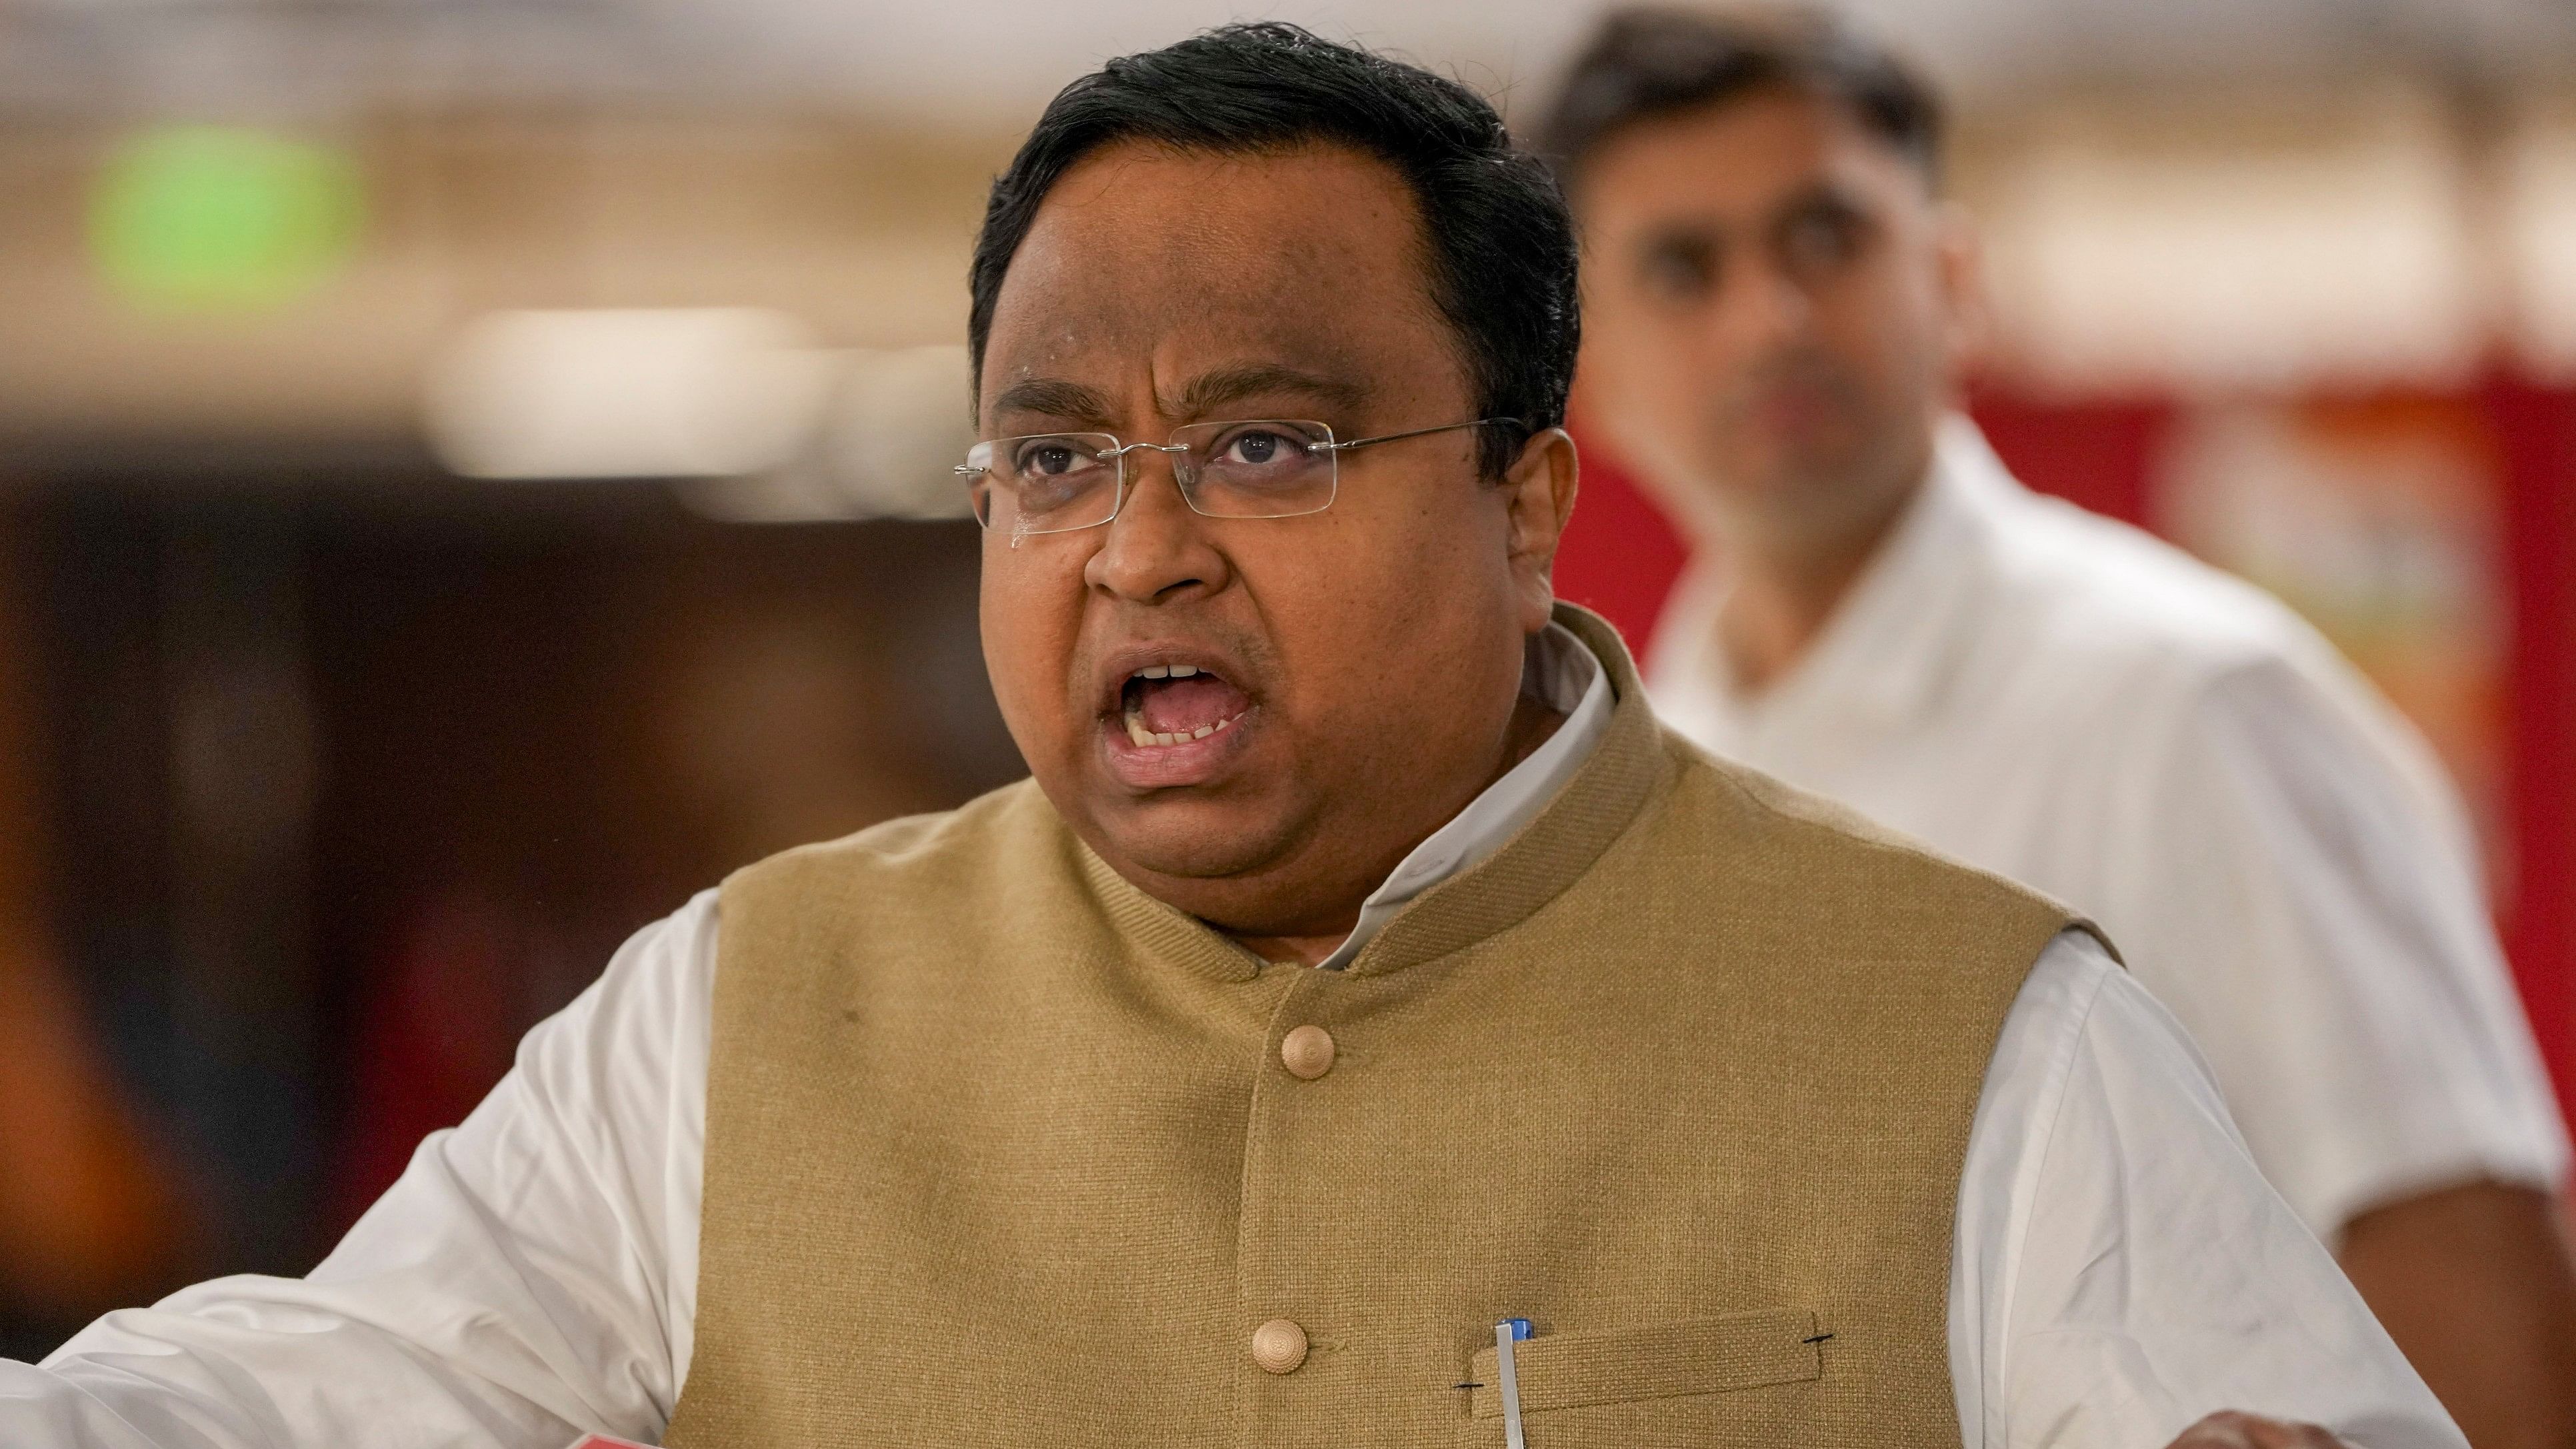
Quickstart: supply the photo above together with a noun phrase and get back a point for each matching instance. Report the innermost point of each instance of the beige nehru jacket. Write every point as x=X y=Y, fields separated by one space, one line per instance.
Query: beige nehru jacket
x=1002 y=1151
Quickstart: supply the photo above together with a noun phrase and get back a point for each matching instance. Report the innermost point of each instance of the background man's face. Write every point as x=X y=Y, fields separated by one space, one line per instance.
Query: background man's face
x=1773 y=306
x=1368 y=656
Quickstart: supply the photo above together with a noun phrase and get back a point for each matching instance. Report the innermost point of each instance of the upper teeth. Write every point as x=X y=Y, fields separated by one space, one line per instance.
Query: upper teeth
x=1135 y=720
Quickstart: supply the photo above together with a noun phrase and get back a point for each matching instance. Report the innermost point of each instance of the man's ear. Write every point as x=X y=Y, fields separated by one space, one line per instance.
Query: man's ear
x=1539 y=490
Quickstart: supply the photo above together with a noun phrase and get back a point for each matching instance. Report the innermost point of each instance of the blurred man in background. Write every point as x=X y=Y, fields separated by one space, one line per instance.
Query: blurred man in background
x=1779 y=302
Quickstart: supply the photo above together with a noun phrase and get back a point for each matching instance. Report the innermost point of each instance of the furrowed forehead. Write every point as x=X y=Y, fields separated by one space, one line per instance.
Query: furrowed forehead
x=1267 y=388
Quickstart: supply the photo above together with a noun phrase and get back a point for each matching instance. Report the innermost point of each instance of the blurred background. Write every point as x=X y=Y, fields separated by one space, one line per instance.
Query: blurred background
x=474 y=471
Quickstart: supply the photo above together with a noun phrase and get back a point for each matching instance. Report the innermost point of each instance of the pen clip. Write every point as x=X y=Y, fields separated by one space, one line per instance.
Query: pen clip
x=1508 y=1379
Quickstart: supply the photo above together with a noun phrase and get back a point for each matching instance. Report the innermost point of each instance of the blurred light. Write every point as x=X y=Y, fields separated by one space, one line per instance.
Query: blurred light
x=2540 y=177
x=658 y=393
x=222 y=219
x=901 y=424
x=2129 y=262
x=896 y=426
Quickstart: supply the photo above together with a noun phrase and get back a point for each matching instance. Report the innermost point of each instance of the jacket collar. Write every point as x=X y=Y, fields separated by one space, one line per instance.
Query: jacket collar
x=1555 y=848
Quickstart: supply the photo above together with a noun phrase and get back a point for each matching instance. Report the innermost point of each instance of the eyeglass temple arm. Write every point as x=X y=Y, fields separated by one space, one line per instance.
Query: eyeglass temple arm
x=1346 y=446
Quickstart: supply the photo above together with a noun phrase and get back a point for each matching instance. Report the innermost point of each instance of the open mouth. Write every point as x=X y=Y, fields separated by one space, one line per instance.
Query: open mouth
x=1163 y=705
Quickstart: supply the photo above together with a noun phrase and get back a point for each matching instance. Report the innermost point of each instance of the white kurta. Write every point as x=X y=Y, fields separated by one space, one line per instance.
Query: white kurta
x=2119 y=1267
x=2070 y=702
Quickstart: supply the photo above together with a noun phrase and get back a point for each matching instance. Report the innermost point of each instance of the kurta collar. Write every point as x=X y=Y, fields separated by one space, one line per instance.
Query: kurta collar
x=1565 y=674
x=1553 y=846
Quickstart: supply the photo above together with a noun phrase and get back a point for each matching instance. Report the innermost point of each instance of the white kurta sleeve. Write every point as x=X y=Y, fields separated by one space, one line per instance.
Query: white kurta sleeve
x=2291 y=873
x=2121 y=1269
x=532 y=1274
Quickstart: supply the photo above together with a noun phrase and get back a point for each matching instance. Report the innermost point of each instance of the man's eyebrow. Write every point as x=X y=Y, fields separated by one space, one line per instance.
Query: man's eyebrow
x=1053 y=398
x=1210 y=391
x=1825 y=194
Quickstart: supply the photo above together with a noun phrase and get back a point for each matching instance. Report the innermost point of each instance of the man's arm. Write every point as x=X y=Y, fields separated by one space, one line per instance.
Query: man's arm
x=2307 y=901
x=532 y=1276
x=2122 y=1271
x=2473 y=1282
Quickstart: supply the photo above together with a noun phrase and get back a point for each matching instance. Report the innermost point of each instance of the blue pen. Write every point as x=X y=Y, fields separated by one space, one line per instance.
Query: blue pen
x=1507 y=1333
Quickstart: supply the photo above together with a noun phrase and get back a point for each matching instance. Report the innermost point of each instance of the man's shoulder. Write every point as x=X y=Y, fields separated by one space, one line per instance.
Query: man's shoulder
x=2078 y=592
x=1740 y=878
x=2136 y=645
x=1709 y=785
x=1828 y=849
x=932 y=851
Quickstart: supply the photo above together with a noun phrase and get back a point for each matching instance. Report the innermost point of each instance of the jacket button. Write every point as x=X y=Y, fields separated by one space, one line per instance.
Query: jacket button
x=1307 y=1052
x=1279 y=1346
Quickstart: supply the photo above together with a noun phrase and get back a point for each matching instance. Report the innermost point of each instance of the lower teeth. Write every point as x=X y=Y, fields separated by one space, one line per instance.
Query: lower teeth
x=1144 y=738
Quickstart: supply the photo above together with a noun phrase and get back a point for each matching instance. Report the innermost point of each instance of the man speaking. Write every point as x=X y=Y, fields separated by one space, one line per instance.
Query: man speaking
x=1366 y=1028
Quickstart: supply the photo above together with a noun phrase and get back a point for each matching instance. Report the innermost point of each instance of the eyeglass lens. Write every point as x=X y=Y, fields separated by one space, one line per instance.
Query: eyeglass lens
x=1055 y=482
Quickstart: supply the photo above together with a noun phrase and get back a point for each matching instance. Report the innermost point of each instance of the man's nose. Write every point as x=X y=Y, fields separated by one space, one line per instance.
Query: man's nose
x=1765 y=306
x=1157 y=548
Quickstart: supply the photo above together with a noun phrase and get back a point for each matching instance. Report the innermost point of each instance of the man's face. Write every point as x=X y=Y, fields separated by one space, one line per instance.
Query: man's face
x=1359 y=666
x=1774 y=307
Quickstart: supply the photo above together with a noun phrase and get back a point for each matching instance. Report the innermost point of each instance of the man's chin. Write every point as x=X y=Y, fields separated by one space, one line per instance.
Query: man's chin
x=1189 y=843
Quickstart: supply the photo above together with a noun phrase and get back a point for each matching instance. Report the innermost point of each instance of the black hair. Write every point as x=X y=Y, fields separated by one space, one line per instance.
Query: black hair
x=1653 y=61
x=1500 y=244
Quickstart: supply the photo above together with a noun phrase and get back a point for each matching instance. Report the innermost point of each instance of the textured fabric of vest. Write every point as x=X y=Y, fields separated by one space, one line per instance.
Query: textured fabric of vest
x=1000 y=1150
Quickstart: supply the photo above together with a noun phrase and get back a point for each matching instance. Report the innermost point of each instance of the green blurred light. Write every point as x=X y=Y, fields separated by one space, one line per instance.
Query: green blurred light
x=222 y=219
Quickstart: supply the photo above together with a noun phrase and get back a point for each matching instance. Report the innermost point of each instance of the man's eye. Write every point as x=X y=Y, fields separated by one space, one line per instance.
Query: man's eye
x=1258 y=446
x=1052 y=459
x=1821 y=242
x=1679 y=269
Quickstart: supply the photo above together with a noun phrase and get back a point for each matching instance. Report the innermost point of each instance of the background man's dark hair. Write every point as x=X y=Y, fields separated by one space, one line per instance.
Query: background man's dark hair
x=1501 y=252
x=1653 y=61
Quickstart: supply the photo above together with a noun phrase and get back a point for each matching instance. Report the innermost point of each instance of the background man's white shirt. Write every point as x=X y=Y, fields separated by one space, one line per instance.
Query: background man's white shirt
x=2119 y=1267
x=2067 y=701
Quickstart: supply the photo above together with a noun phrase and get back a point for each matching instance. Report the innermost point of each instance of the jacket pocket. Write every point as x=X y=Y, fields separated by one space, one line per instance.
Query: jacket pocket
x=1568 y=1381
